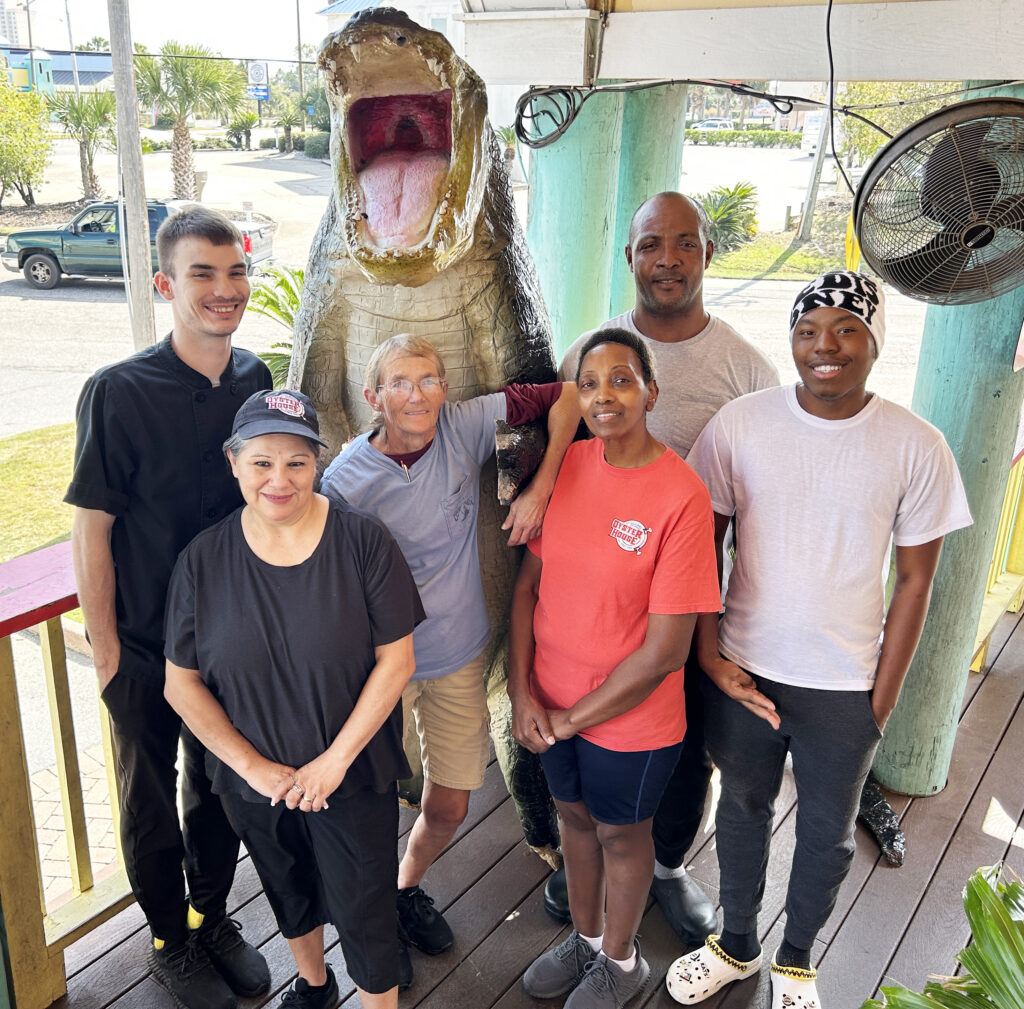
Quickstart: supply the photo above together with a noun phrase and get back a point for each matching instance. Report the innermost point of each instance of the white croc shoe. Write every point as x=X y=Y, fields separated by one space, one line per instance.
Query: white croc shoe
x=698 y=975
x=794 y=988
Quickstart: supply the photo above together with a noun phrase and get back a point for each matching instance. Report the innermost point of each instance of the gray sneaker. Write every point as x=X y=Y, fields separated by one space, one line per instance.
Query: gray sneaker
x=560 y=969
x=606 y=986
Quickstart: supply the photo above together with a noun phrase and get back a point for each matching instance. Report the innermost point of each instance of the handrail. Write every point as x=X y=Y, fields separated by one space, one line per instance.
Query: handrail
x=35 y=590
x=1004 y=587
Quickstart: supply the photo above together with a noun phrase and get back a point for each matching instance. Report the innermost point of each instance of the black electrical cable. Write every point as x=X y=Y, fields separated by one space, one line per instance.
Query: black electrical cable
x=563 y=104
x=832 y=100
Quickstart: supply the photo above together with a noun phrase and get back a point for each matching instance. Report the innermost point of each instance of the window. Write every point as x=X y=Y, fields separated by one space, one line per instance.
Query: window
x=100 y=220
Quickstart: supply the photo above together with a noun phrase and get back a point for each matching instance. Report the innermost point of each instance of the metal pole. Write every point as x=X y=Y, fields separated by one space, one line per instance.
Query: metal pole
x=135 y=250
x=302 y=90
x=31 y=48
x=812 y=183
x=71 y=46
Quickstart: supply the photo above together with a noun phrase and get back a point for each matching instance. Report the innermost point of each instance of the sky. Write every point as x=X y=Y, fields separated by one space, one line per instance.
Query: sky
x=254 y=29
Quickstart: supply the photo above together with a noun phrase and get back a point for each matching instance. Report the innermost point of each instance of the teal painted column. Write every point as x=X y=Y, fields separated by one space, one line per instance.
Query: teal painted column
x=653 y=123
x=965 y=386
x=570 y=230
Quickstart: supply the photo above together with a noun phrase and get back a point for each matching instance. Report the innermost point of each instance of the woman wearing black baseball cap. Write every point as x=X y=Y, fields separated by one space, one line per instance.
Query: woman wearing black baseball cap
x=289 y=642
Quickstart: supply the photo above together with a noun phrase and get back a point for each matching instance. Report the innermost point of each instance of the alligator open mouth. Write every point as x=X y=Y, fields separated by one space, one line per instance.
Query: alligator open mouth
x=400 y=147
x=410 y=145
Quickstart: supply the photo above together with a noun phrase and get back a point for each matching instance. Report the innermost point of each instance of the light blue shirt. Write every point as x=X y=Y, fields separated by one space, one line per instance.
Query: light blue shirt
x=431 y=510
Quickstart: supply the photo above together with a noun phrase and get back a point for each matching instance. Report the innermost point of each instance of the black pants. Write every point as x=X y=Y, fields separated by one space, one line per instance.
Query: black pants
x=146 y=730
x=832 y=736
x=681 y=808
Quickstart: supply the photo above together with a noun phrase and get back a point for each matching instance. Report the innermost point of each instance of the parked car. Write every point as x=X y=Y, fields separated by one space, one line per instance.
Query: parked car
x=90 y=245
x=714 y=124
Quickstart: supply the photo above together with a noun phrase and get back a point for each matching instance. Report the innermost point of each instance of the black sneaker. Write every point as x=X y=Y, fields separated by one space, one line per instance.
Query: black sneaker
x=237 y=961
x=189 y=977
x=425 y=928
x=302 y=996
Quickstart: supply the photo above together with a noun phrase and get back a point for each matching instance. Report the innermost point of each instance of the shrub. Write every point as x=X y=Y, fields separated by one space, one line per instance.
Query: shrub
x=744 y=138
x=267 y=144
x=213 y=144
x=298 y=140
x=317 y=145
x=732 y=214
x=276 y=295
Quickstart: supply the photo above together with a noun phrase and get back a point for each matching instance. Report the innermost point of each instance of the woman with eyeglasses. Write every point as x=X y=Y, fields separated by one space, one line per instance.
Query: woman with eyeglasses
x=418 y=470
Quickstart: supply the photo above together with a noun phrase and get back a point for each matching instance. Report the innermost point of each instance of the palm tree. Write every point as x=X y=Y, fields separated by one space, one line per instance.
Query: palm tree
x=241 y=127
x=88 y=118
x=288 y=115
x=188 y=80
x=97 y=44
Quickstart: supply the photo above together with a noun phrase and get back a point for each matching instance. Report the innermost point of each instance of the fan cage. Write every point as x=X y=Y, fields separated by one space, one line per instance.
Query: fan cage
x=940 y=213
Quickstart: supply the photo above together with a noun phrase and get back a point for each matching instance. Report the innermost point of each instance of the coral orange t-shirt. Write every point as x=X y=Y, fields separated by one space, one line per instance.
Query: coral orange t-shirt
x=619 y=544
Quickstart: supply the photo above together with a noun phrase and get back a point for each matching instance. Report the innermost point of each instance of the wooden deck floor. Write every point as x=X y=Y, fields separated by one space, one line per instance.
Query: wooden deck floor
x=897 y=924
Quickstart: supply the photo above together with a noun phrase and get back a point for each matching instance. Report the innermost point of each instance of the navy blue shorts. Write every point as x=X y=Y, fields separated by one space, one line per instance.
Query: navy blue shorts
x=616 y=786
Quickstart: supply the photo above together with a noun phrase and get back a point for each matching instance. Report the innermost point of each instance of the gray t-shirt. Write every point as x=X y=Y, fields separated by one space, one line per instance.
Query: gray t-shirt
x=431 y=510
x=696 y=377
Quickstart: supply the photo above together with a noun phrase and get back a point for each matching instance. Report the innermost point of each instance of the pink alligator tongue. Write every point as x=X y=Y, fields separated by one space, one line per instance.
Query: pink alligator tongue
x=401 y=191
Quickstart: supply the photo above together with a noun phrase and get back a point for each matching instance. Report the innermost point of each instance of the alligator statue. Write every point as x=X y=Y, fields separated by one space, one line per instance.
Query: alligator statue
x=420 y=236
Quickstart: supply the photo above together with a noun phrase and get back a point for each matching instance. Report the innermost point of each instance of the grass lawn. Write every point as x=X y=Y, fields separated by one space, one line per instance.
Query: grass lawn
x=774 y=256
x=37 y=470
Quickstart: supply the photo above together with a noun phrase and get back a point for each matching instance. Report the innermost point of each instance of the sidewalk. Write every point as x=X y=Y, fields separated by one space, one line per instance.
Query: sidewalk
x=52 y=839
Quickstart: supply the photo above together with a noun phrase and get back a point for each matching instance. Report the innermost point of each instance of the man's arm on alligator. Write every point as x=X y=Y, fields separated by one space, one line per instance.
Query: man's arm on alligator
x=526 y=513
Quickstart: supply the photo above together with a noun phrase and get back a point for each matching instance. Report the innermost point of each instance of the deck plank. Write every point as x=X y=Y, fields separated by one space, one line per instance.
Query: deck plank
x=940 y=929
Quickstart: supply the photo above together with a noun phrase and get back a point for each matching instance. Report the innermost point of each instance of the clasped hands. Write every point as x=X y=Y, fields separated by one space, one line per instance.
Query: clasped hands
x=305 y=788
x=537 y=728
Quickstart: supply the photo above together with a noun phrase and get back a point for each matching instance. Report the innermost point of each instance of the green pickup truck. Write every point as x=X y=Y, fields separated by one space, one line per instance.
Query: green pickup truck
x=90 y=246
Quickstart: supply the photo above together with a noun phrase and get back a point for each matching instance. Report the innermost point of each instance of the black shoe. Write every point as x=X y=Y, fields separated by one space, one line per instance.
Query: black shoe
x=238 y=962
x=405 y=976
x=189 y=977
x=424 y=927
x=686 y=907
x=302 y=996
x=556 y=896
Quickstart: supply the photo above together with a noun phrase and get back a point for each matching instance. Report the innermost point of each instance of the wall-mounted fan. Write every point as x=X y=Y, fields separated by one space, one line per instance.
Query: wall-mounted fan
x=940 y=212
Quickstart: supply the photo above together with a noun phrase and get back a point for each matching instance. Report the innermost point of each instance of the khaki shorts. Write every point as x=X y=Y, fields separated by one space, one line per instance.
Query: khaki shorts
x=451 y=721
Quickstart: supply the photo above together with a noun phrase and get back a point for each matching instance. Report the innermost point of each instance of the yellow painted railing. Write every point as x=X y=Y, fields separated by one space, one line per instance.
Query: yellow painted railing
x=34 y=591
x=1004 y=590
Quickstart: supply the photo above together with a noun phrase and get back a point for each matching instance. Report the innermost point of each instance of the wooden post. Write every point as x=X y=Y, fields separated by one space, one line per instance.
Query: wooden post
x=966 y=387
x=651 y=162
x=570 y=231
x=135 y=246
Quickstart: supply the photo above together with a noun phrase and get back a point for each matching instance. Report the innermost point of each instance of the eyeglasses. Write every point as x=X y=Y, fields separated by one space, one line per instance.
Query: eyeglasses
x=404 y=386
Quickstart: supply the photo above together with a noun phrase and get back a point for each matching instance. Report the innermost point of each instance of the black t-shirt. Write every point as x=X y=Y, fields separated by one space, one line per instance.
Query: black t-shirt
x=287 y=650
x=149 y=451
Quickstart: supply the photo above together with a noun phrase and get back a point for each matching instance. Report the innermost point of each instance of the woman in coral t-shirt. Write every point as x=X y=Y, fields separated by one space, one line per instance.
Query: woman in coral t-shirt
x=601 y=621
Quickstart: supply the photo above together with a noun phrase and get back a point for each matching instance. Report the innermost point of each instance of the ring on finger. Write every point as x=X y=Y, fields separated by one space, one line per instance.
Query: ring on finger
x=298 y=788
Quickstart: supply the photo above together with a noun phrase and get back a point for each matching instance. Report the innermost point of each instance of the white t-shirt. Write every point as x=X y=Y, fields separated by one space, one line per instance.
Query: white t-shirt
x=695 y=377
x=816 y=504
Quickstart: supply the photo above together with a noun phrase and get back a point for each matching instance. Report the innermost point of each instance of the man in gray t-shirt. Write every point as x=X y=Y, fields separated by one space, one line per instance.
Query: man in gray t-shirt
x=702 y=363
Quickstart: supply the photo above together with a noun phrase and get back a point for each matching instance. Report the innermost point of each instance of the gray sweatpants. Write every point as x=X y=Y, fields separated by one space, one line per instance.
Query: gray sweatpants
x=832 y=735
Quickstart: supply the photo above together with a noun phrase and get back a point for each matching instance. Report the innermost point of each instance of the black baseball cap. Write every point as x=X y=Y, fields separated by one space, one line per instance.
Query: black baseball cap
x=281 y=411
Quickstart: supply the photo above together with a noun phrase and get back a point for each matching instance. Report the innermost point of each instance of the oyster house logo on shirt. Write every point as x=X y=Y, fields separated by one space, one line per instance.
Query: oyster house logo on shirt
x=629 y=534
